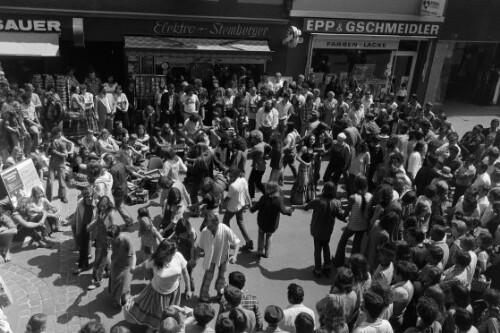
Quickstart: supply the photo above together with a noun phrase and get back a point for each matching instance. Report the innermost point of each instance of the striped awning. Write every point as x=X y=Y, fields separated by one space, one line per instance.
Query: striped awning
x=199 y=49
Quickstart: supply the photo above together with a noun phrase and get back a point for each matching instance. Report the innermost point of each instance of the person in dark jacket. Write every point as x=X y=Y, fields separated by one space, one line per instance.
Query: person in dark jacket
x=270 y=206
x=120 y=187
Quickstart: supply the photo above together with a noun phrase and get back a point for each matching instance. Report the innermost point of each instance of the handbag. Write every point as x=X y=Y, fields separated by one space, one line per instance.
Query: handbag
x=5 y=294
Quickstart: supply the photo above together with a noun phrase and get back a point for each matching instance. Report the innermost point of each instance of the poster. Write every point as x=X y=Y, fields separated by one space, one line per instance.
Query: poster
x=432 y=8
x=362 y=72
x=19 y=179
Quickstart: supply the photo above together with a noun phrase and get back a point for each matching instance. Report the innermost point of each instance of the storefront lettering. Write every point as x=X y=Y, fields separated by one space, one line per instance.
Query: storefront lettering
x=30 y=25
x=344 y=26
x=323 y=43
x=217 y=29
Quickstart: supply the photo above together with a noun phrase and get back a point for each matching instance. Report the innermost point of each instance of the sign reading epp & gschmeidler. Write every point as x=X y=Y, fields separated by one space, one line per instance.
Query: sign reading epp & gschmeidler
x=372 y=27
x=30 y=25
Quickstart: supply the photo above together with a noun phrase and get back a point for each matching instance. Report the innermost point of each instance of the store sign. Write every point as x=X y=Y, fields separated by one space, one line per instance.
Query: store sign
x=19 y=179
x=354 y=44
x=432 y=8
x=210 y=29
x=371 y=27
x=30 y=25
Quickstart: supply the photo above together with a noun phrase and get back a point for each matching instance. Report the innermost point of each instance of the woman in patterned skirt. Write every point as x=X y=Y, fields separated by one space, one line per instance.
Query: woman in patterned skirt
x=90 y=112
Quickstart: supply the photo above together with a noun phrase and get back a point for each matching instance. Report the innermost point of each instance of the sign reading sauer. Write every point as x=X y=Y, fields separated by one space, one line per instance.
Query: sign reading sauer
x=372 y=27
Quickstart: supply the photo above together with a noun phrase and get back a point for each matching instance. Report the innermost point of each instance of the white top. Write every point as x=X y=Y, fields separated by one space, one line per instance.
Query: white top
x=471 y=269
x=380 y=326
x=267 y=119
x=481 y=181
x=289 y=315
x=414 y=163
x=122 y=102
x=384 y=274
x=189 y=104
x=283 y=109
x=172 y=169
x=103 y=185
x=166 y=279
x=216 y=247
x=238 y=195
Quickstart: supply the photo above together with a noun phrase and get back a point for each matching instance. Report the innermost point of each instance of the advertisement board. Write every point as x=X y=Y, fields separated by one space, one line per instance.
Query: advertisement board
x=19 y=179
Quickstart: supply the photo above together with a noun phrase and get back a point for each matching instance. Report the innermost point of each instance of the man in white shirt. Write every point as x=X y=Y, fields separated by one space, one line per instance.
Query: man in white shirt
x=295 y=297
x=215 y=241
x=373 y=306
x=238 y=199
x=284 y=109
x=267 y=120
x=278 y=82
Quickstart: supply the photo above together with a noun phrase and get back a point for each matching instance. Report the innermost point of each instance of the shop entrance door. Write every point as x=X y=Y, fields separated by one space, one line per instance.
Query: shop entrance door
x=403 y=67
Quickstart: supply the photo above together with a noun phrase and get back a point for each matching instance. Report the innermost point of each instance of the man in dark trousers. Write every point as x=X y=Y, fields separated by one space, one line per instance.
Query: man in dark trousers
x=119 y=189
x=84 y=214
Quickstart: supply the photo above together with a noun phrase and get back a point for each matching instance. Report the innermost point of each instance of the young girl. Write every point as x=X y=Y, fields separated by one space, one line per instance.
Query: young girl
x=172 y=212
x=325 y=209
x=38 y=204
x=276 y=162
x=148 y=239
x=269 y=206
x=358 y=210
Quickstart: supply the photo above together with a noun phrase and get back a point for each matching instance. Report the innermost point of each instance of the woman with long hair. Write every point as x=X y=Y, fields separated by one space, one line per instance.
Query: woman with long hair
x=104 y=219
x=362 y=276
x=142 y=135
x=167 y=265
x=212 y=195
x=357 y=210
x=332 y=317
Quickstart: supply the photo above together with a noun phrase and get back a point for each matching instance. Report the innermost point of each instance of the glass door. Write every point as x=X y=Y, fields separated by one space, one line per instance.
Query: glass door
x=403 y=68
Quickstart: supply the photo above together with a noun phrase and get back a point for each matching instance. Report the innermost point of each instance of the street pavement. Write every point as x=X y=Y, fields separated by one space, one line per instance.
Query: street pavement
x=41 y=280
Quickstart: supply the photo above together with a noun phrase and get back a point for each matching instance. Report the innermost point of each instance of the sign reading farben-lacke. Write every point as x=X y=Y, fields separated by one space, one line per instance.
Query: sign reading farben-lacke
x=210 y=29
x=372 y=27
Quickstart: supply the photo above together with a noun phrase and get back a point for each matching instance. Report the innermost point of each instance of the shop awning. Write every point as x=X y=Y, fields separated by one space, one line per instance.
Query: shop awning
x=29 y=44
x=181 y=50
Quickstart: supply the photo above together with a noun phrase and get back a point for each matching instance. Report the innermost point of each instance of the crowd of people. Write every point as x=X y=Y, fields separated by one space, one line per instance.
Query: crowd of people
x=421 y=205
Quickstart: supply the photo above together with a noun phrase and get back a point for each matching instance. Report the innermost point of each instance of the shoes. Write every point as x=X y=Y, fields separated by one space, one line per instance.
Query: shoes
x=65 y=200
x=94 y=286
x=261 y=255
x=79 y=271
x=248 y=246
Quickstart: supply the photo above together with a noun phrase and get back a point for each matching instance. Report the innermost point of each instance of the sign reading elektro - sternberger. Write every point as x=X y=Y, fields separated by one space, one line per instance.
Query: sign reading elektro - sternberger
x=211 y=29
x=372 y=27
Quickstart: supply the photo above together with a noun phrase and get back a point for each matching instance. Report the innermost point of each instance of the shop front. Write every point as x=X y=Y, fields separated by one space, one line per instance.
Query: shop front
x=381 y=55
x=386 y=45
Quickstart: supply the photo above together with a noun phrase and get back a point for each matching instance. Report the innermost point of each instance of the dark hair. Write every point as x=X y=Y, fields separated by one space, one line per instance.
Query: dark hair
x=403 y=252
x=430 y=191
x=416 y=234
x=383 y=290
x=237 y=279
x=462 y=258
x=233 y=295
x=427 y=310
x=438 y=232
x=389 y=221
x=92 y=326
x=304 y=323
x=344 y=280
x=492 y=297
x=406 y=270
x=436 y=252
x=373 y=304
x=113 y=231
x=329 y=191
x=37 y=323
x=463 y=319
x=461 y=295
x=164 y=253
x=203 y=313
x=171 y=312
x=434 y=273
x=174 y=196
x=142 y=212
x=385 y=195
x=295 y=293
x=119 y=329
x=239 y=319
x=359 y=267
x=224 y=325
x=361 y=185
x=56 y=130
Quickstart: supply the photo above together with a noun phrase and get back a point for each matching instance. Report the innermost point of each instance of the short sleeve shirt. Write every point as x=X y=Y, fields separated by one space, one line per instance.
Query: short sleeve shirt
x=166 y=279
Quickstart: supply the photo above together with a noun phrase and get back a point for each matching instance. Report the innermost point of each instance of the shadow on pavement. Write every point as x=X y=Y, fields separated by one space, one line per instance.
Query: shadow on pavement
x=290 y=274
x=248 y=259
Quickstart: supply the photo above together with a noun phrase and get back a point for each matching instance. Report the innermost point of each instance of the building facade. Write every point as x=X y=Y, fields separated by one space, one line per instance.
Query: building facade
x=387 y=44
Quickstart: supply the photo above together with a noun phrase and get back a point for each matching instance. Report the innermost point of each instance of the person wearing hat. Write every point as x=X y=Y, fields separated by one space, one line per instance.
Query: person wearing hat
x=273 y=315
x=444 y=175
x=340 y=160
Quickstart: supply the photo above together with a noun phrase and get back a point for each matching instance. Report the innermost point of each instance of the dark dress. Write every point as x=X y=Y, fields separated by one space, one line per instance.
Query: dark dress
x=270 y=208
